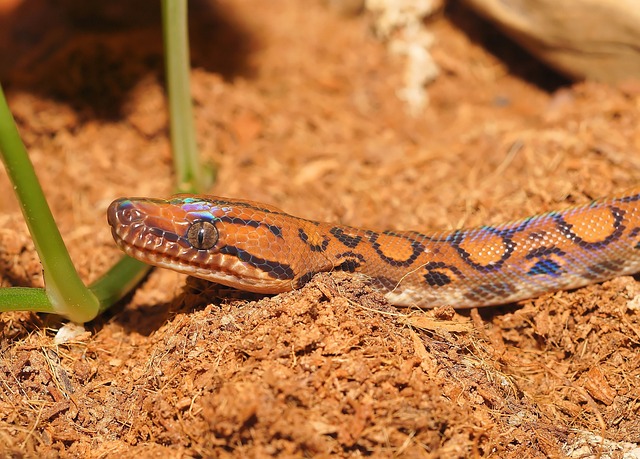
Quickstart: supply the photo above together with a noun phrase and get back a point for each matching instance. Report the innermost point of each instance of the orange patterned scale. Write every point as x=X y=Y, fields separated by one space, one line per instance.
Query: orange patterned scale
x=259 y=248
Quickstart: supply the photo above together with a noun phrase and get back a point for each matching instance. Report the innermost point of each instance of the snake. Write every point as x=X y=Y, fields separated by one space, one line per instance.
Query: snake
x=259 y=248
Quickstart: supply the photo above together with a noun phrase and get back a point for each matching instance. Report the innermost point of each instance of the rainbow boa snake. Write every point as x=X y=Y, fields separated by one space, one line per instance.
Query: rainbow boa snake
x=259 y=248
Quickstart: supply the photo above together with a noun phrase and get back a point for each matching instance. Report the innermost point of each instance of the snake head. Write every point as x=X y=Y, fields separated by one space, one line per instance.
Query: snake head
x=235 y=243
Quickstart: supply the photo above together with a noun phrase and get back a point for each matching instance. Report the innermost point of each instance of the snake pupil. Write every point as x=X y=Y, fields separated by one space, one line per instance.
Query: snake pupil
x=202 y=235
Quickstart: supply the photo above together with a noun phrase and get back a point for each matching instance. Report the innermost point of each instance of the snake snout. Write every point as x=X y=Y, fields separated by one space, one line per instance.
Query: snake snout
x=121 y=212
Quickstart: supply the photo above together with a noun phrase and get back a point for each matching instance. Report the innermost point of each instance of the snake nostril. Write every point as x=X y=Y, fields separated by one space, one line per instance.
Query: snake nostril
x=129 y=215
x=122 y=212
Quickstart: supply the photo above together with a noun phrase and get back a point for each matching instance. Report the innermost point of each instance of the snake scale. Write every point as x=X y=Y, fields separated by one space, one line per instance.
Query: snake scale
x=259 y=248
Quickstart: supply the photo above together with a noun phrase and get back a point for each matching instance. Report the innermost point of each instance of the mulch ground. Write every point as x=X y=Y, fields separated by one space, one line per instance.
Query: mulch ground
x=296 y=103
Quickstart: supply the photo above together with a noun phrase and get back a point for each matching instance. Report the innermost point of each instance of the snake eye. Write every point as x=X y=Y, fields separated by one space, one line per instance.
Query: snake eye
x=202 y=235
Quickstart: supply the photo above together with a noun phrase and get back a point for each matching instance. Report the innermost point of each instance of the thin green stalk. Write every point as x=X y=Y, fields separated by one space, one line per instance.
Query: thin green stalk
x=118 y=281
x=25 y=299
x=66 y=292
x=190 y=175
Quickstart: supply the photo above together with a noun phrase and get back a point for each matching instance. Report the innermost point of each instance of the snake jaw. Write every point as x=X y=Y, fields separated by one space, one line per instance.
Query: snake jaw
x=139 y=231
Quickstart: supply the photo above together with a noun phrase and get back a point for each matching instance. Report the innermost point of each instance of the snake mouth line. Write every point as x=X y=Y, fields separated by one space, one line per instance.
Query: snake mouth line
x=225 y=272
x=225 y=266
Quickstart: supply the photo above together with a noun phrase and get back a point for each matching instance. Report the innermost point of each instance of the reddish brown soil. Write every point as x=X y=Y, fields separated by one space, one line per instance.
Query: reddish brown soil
x=297 y=106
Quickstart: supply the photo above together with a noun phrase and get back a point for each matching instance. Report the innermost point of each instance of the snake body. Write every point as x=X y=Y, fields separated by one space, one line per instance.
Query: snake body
x=259 y=248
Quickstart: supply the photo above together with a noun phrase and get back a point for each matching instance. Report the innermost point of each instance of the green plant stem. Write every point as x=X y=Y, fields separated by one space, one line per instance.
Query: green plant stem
x=190 y=175
x=68 y=295
x=118 y=281
x=25 y=299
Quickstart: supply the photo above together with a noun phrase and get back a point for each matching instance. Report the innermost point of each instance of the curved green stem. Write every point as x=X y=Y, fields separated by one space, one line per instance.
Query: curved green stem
x=118 y=281
x=66 y=292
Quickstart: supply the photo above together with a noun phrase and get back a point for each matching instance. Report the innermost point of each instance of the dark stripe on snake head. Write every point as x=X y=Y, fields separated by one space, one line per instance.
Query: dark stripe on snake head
x=276 y=230
x=274 y=269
